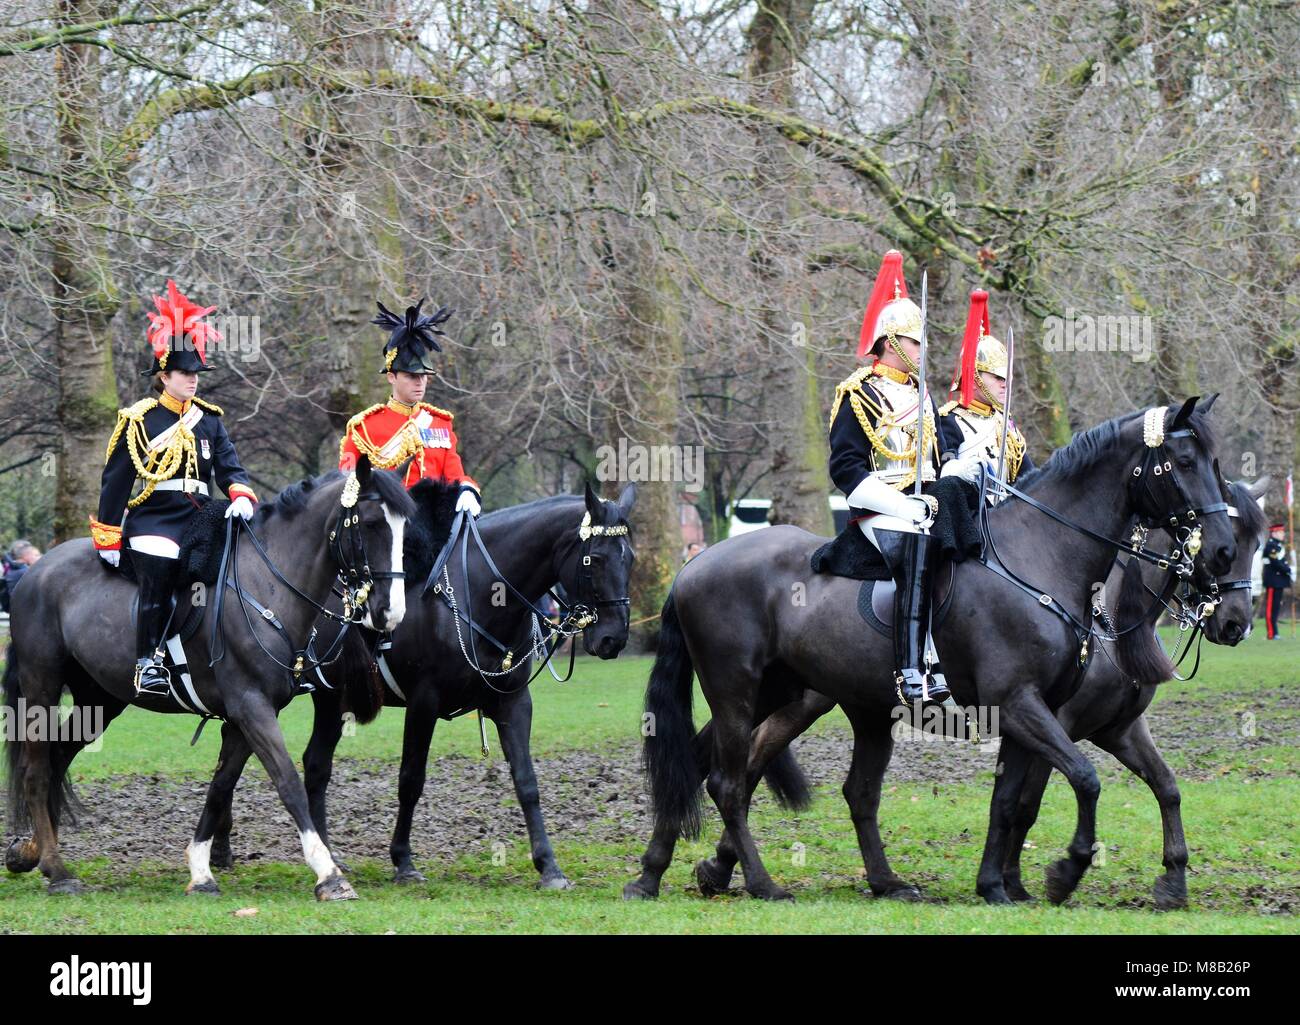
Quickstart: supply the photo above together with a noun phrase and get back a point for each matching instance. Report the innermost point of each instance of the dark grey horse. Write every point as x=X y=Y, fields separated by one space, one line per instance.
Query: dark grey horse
x=750 y=617
x=535 y=546
x=71 y=627
x=1107 y=709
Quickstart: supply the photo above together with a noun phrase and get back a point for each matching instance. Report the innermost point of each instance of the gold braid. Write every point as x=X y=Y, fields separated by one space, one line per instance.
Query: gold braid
x=153 y=467
x=356 y=430
x=858 y=402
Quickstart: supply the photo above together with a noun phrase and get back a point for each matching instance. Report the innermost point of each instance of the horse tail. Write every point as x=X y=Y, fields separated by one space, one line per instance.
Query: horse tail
x=670 y=761
x=785 y=778
x=19 y=815
x=1141 y=656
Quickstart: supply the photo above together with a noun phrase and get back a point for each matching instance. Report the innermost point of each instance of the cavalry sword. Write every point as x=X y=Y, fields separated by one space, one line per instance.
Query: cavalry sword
x=920 y=390
x=1006 y=409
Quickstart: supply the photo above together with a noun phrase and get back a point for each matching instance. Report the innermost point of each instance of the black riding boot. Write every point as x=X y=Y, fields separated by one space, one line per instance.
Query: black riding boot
x=157 y=578
x=911 y=558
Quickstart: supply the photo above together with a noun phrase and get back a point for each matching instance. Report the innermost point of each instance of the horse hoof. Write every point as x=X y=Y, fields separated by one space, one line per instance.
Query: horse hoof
x=905 y=892
x=210 y=887
x=65 y=886
x=1059 y=884
x=408 y=876
x=995 y=895
x=21 y=856
x=637 y=890
x=1019 y=895
x=221 y=857
x=772 y=892
x=335 y=888
x=559 y=882
x=1170 y=895
x=712 y=880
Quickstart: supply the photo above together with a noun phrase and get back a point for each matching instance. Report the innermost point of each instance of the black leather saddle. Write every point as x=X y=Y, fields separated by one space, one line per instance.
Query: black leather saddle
x=876 y=600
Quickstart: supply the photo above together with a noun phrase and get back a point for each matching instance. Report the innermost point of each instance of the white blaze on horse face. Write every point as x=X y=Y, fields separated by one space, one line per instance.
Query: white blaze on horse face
x=199 y=856
x=318 y=856
x=396 y=586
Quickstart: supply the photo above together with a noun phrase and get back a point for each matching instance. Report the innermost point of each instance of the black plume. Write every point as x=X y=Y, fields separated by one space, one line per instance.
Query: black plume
x=414 y=328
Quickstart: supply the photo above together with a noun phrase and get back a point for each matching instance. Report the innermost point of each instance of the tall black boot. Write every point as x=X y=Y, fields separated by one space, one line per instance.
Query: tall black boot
x=157 y=577
x=910 y=558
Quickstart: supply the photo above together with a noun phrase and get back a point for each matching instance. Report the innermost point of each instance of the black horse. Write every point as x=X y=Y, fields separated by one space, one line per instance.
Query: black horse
x=1107 y=710
x=71 y=627
x=535 y=547
x=731 y=616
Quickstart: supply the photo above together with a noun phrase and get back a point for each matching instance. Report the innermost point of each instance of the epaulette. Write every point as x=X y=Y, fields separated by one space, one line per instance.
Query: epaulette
x=211 y=407
x=361 y=417
x=852 y=383
x=137 y=409
x=948 y=407
x=440 y=412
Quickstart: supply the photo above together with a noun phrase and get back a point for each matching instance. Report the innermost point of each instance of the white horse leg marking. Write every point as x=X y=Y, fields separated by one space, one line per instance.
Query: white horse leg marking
x=199 y=857
x=396 y=586
x=318 y=856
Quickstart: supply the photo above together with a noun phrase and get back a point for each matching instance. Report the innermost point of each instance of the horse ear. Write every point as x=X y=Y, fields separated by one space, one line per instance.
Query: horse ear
x=589 y=496
x=363 y=471
x=1207 y=403
x=1260 y=487
x=1181 y=416
x=627 y=499
x=402 y=468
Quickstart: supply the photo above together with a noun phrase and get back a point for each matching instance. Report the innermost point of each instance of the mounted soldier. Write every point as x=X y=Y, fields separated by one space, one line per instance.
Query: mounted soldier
x=875 y=462
x=171 y=446
x=978 y=413
x=406 y=427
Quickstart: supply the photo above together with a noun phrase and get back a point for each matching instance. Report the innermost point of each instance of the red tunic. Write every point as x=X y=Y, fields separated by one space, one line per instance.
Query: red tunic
x=394 y=432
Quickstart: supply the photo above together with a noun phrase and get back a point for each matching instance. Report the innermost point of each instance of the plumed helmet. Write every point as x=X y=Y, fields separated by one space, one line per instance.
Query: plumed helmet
x=178 y=337
x=412 y=338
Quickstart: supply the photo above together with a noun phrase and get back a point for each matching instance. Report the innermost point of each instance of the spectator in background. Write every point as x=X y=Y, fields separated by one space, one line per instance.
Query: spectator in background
x=693 y=549
x=21 y=555
x=1277 y=577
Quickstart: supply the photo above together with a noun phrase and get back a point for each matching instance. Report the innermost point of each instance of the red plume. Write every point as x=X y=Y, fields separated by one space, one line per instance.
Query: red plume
x=977 y=323
x=177 y=319
x=888 y=277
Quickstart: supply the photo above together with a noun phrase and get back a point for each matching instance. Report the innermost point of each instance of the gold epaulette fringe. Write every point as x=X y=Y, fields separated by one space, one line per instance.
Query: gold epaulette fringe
x=212 y=407
x=441 y=412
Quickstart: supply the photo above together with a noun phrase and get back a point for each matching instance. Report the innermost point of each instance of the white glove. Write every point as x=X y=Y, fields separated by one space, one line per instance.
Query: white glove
x=874 y=494
x=469 y=501
x=240 y=507
x=112 y=556
x=965 y=467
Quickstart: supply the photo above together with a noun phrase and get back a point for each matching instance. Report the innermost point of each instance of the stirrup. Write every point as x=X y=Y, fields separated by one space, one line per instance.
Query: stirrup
x=912 y=685
x=152 y=677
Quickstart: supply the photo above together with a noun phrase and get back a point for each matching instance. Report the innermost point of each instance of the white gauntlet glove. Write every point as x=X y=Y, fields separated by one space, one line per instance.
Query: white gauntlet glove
x=874 y=494
x=111 y=556
x=965 y=467
x=240 y=507
x=468 y=501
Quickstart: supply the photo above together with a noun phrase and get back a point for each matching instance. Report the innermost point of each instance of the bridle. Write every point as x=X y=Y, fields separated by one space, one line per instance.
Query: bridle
x=547 y=636
x=354 y=583
x=1151 y=484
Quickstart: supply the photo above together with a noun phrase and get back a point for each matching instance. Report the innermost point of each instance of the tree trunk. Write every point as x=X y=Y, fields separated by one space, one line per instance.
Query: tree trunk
x=84 y=299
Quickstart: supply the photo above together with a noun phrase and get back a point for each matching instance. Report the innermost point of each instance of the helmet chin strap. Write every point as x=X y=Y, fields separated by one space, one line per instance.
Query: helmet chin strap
x=912 y=368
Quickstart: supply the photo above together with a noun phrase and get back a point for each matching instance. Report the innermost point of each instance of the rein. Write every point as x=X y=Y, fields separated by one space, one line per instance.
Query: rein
x=1178 y=564
x=354 y=583
x=574 y=617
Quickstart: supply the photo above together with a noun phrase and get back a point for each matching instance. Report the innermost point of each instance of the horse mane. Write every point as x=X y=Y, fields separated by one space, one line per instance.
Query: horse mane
x=427 y=530
x=1085 y=450
x=291 y=501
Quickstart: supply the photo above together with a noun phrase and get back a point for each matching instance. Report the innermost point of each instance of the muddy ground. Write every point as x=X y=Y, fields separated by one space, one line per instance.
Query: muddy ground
x=599 y=795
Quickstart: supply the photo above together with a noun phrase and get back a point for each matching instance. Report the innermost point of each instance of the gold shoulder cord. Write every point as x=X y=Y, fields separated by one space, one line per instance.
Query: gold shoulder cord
x=863 y=408
x=356 y=429
x=211 y=406
x=152 y=467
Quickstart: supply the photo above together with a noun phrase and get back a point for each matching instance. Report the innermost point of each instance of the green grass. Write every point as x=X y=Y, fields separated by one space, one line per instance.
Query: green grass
x=1240 y=809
